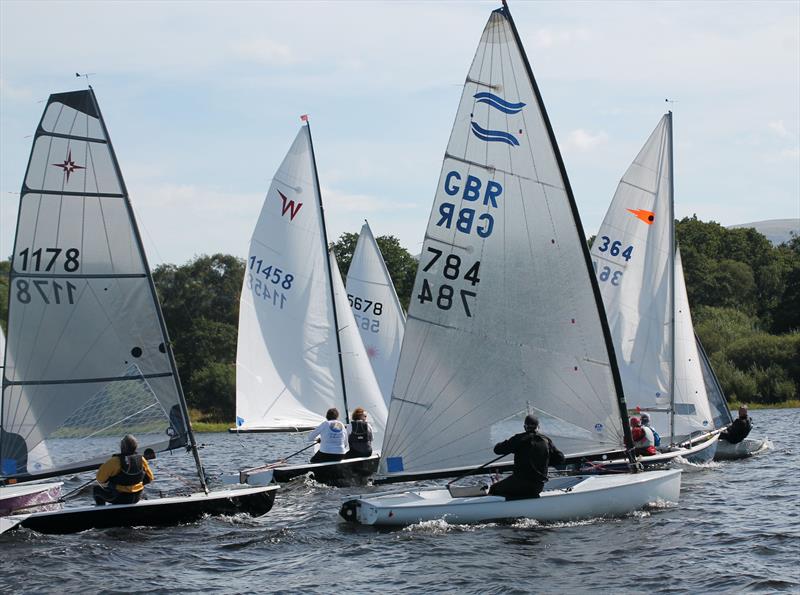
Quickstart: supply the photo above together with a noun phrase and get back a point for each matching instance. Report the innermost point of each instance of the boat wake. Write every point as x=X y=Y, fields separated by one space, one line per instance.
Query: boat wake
x=681 y=463
x=442 y=527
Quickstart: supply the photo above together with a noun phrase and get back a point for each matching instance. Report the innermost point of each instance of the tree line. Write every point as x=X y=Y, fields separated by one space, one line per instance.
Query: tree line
x=744 y=294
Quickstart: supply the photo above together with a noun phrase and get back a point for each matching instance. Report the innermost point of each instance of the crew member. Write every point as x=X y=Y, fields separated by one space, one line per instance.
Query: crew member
x=332 y=436
x=14 y=453
x=646 y=424
x=643 y=441
x=359 y=435
x=739 y=429
x=122 y=478
x=533 y=453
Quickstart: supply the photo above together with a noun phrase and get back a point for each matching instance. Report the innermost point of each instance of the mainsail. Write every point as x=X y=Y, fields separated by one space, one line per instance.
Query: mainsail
x=633 y=257
x=376 y=309
x=289 y=370
x=88 y=358
x=505 y=317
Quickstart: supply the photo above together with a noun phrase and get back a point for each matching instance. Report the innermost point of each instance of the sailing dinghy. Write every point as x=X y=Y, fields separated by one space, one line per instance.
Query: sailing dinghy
x=641 y=279
x=299 y=351
x=505 y=319
x=89 y=359
x=376 y=309
x=722 y=416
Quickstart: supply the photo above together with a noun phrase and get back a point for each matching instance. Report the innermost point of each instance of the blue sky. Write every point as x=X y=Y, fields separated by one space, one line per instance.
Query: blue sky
x=202 y=100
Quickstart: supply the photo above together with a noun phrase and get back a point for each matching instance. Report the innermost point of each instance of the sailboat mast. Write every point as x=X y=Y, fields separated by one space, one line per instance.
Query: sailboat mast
x=151 y=284
x=328 y=267
x=671 y=263
x=598 y=298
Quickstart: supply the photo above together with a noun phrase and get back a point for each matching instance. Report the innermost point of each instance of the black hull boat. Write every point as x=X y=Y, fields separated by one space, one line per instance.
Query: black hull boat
x=160 y=512
x=344 y=473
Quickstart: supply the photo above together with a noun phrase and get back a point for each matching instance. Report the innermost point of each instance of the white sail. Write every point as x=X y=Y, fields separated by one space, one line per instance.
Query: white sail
x=359 y=379
x=376 y=309
x=287 y=363
x=633 y=259
x=87 y=357
x=631 y=255
x=692 y=411
x=503 y=319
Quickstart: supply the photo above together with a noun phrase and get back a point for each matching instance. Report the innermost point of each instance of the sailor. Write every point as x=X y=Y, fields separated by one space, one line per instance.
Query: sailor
x=646 y=424
x=332 y=437
x=359 y=435
x=739 y=429
x=533 y=453
x=643 y=440
x=122 y=477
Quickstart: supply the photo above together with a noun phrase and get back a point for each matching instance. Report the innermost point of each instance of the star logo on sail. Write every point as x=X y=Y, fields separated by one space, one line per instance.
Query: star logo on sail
x=69 y=165
x=501 y=105
x=289 y=205
x=646 y=216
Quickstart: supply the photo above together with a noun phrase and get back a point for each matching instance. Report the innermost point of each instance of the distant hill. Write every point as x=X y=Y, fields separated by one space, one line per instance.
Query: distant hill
x=777 y=231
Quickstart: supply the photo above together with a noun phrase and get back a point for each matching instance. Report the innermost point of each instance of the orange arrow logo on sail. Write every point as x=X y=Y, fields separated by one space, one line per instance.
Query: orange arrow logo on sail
x=646 y=216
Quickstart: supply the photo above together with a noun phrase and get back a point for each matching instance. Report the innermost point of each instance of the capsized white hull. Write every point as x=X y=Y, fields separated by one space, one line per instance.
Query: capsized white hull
x=746 y=448
x=564 y=498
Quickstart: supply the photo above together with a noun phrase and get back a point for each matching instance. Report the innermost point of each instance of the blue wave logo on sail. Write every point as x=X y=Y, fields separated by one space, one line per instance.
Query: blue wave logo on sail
x=499 y=103
x=494 y=135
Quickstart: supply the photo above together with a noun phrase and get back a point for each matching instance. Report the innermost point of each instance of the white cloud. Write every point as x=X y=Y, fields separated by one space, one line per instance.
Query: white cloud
x=779 y=128
x=11 y=91
x=265 y=51
x=583 y=140
x=547 y=38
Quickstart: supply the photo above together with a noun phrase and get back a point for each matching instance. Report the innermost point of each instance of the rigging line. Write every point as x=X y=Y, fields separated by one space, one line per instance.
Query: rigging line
x=118 y=422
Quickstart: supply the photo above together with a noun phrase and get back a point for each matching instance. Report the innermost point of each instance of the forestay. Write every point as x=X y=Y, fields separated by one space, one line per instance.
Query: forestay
x=504 y=319
x=633 y=259
x=376 y=309
x=362 y=386
x=87 y=355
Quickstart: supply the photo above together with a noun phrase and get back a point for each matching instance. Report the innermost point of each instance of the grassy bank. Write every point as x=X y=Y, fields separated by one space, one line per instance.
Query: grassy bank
x=793 y=404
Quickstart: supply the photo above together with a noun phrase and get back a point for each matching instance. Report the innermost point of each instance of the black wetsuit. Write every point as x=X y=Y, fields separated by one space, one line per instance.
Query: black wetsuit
x=533 y=453
x=360 y=439
x=737 y=431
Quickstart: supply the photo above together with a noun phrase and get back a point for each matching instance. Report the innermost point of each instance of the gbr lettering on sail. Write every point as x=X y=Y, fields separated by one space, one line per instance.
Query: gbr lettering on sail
x=470 y=189
x=467 y=207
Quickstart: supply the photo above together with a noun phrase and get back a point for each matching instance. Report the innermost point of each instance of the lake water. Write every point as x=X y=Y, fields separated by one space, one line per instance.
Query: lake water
x=736 y=529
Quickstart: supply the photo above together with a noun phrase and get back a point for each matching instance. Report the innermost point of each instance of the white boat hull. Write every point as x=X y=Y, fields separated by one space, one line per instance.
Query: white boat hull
x=746 y=448
x=30 y=496
x=564 y=498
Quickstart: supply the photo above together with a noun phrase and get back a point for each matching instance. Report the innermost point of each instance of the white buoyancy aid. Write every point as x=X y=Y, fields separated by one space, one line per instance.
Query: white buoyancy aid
x=647 y=438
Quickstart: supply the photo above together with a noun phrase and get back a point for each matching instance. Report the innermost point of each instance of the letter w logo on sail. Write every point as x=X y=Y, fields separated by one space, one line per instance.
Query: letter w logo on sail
x=289 y=205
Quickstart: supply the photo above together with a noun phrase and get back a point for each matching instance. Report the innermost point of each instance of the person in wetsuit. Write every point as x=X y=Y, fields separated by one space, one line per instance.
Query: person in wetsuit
x=739 y=429
x=332 y=435
x=359 y=435
x=643 y=441
x=533 y=453
x=122 y=478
